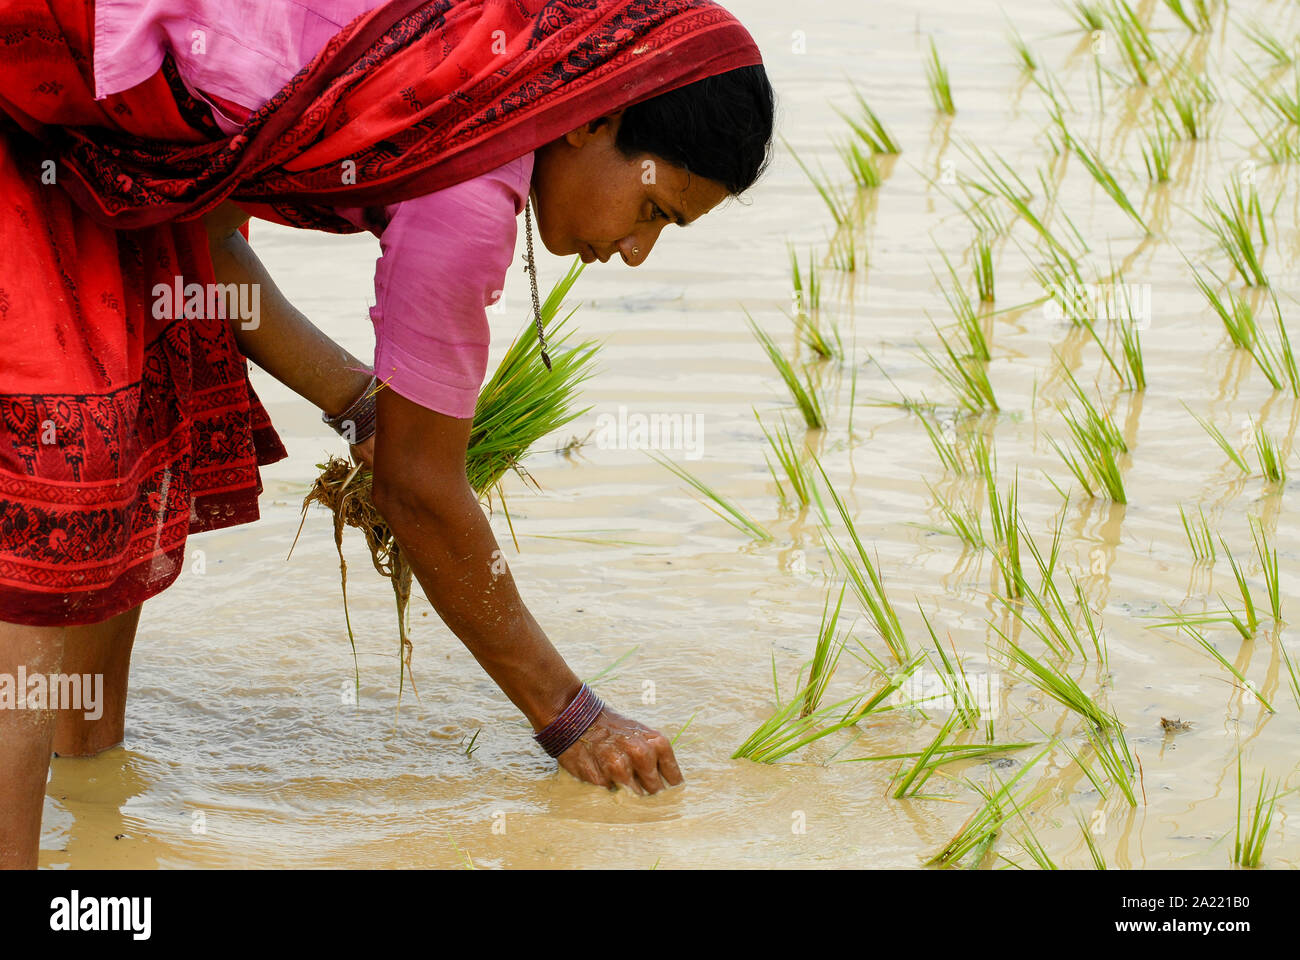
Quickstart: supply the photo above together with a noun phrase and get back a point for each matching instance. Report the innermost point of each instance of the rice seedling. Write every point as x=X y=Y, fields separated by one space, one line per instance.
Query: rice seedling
x=1004 y=509
x=1243 y=588
x=1135 y=47
x=1195 y=14
x=1248 y=850
x=826 y=656
x=1217 y=436
x=865 y=579
x=792 y=465
x=1267 y=555
x=949 y=753
x=936 y=75
x=1032 y=846
x=1013 y=190
x=806 y=287
x=1055 y=626
x=1276 y=50
x=912 y=781
x=1157 y=150
x=1056 y=102
x=965 y=375
x=1096 y=443
x=1237 y=316
x=869 y=128
x=1130 y=340
x=1293 y=675
x=1281 y=143
x=1229 y=616
x=522 y=402
x=965 y=705
x=950 y=454
x=1283 y=103
x=1239 y=227
x=1097 y=636
x=1191 y=94
x=1064 y=286
x=1057 y=684
x=1098 y=860
x=805 y=392
x=1092 y=160
x=983 y=826
x=862 y=167
x=982 y=258
x=830 y=194
x=968 y=320
x=1111 y=747
x=716 y=502
x=822 y=338
x=1224 y=662
x=963 y=520
x=1198 y=535
x=786 y=731
x=1090 y=16
x=1272 y=463
x=1028 y=62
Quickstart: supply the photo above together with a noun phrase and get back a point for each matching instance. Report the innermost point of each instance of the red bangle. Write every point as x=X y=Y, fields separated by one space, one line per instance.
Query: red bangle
x=565 y=730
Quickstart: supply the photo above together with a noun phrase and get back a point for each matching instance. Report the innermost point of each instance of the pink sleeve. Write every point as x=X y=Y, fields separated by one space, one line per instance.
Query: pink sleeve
x=443 y=262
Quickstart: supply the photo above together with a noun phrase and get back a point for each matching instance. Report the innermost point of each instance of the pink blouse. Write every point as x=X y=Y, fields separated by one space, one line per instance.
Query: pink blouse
x=443 y=256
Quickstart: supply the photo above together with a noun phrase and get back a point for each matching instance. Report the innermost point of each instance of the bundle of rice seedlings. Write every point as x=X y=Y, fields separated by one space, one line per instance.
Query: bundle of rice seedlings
x=521 y=403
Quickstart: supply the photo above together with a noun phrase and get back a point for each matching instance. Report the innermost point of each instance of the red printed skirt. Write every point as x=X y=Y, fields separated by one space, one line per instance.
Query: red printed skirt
x=123 y=428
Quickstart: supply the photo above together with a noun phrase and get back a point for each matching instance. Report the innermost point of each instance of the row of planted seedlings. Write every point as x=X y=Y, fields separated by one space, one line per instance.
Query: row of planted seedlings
x=1048 y=626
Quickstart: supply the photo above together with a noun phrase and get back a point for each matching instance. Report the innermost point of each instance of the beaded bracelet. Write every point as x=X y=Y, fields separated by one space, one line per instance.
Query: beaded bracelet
x=566 y=729
x=356 y=424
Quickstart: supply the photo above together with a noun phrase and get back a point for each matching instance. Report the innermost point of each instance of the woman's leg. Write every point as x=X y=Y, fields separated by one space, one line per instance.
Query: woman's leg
x=101 y=648
x=26 y=738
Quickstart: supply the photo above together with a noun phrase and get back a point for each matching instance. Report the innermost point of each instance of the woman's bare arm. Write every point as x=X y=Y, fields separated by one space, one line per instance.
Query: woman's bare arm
x=420 y=487
x=280 y=339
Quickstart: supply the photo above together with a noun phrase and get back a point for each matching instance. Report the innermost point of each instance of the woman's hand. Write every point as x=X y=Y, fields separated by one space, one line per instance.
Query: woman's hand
x=616 y=750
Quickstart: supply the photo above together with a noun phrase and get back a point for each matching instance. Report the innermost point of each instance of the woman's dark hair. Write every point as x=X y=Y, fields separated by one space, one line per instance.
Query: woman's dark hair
x=719 y=128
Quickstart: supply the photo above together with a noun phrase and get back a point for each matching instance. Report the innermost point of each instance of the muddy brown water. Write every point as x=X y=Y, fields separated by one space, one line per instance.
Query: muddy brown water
x=241 y=751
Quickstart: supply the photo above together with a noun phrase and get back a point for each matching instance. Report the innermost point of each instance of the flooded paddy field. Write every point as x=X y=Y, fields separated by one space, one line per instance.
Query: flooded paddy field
x=1094 y=722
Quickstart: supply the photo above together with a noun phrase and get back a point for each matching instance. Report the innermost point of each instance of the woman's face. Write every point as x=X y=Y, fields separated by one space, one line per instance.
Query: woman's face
x=593 y=201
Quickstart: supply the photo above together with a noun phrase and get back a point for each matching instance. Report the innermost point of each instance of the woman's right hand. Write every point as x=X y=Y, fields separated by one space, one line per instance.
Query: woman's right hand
x=618 y=751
